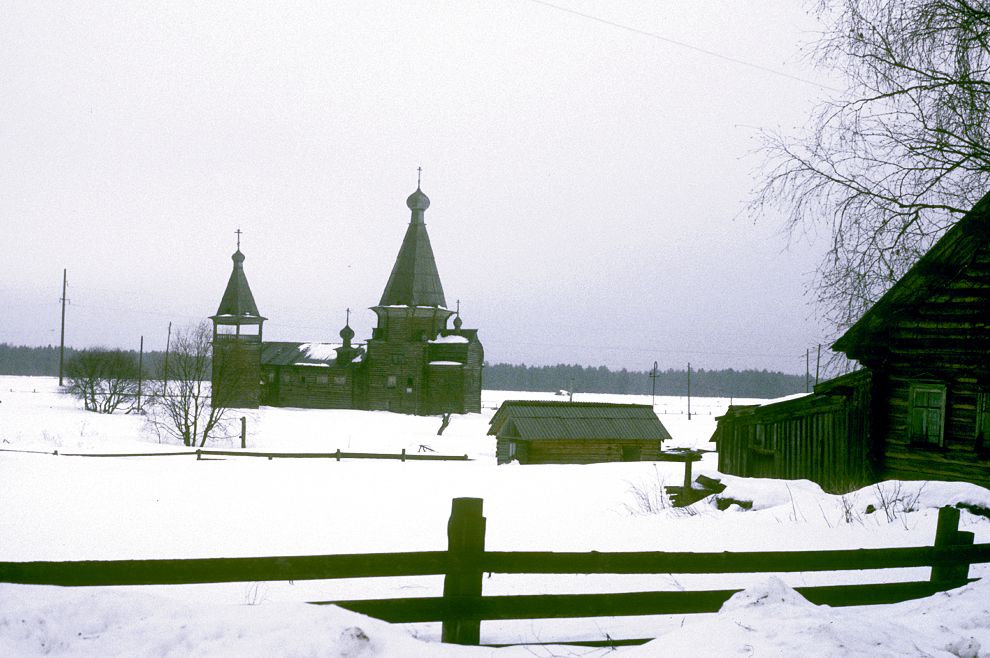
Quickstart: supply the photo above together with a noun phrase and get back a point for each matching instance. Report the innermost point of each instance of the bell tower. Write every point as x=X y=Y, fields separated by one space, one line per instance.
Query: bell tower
x=411 y=313
x=237 y=332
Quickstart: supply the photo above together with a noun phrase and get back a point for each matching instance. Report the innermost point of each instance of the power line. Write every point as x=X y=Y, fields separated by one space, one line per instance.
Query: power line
x=685 y=45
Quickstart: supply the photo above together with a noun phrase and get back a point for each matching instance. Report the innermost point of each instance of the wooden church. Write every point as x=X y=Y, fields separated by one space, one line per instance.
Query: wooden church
x=419 y=359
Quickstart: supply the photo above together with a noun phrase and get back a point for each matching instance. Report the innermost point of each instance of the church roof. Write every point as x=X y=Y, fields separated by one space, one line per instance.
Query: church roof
x=237 y=301
x=414 y=280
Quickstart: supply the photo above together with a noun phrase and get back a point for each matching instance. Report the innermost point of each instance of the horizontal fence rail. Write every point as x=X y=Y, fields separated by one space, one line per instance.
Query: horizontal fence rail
x=208 y=452
x=463 y=565
x=225 y=570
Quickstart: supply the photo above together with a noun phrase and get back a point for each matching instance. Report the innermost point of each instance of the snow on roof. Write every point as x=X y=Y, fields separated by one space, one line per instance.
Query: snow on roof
x=446 y=363
x=312 y=365
x=440 y=308
x=785 y=398
x=440 y=340
x=319 y=351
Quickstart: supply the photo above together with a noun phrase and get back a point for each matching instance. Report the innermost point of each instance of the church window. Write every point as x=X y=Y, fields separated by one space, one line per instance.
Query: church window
x=409 y=384
x=322 y=379
x=398 y=359
x=340 y=380
x=926 y=414
x=287 y=378
x=390 y=382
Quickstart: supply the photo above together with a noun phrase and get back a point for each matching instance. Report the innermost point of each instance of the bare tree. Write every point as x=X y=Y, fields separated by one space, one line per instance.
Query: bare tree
x=103 y=379
x=888 y=165
x=183 y=408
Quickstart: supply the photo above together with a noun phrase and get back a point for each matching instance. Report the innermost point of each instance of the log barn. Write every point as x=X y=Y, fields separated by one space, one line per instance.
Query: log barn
x=556 y=432
x=920 y=406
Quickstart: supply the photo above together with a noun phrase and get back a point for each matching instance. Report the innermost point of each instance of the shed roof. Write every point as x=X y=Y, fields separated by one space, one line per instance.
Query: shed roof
x=945 y=261
x=549 y=420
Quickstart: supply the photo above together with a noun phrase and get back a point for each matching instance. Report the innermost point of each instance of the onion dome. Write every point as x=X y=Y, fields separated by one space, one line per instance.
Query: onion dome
x=347 y=333
x=417 y=200
x=458 y=322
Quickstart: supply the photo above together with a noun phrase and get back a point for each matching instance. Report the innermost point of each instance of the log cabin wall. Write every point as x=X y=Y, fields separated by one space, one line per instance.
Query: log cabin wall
x=313 y=387
x=395 y=375
x=236 y=370
x=582 y=451
x=943 y=346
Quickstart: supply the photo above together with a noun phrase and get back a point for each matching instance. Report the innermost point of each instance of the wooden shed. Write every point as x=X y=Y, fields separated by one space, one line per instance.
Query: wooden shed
x=920 y=407
x=822 y=436
x=556 y=432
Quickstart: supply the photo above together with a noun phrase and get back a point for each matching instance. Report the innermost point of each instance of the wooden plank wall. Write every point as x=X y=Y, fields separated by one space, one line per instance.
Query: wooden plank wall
x=823 y=438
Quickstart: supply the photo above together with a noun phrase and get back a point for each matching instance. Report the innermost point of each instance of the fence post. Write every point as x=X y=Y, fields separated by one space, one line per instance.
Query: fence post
x=947 y=533
x=403 y=457
x=243 y=432
x=462 y=584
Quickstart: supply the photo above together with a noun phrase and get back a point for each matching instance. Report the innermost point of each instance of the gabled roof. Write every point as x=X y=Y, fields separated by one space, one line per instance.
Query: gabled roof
x=945 y=261
x=280 y=353
x=414 y=280
x=238 y=302
x=548 y=420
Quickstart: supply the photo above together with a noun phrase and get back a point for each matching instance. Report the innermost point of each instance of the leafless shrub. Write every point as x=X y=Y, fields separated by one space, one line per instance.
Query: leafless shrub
x=649 y=495
x=894 y=501
x=183 y=408
x=103 y=379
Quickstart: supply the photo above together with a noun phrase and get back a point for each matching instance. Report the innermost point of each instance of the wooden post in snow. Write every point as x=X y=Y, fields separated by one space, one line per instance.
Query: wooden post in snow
x=462 y=584
x=947 y=533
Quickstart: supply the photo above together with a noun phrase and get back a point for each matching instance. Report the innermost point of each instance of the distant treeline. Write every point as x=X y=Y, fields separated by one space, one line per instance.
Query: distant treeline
x=18 y=360
x=585 y=379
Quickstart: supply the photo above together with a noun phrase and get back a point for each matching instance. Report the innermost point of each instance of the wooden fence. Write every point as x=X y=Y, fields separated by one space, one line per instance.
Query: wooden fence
x=463 y=607
x=206 y=453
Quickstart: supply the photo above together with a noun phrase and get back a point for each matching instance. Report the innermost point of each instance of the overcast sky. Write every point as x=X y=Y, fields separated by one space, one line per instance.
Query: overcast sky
x=588 y=182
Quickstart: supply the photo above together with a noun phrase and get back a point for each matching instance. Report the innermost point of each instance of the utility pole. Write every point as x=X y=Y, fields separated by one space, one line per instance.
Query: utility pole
x=653 y=376
x=818 y=363
x=61 y=346
x=807 y=371
x=140 y=373
x=689 y=391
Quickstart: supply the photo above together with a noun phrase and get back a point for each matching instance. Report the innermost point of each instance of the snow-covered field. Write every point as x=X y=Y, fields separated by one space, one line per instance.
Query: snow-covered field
x=72 y=508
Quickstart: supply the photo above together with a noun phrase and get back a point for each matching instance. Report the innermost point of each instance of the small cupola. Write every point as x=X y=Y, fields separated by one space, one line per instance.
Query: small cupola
x=237 y=306
x=346 y=352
